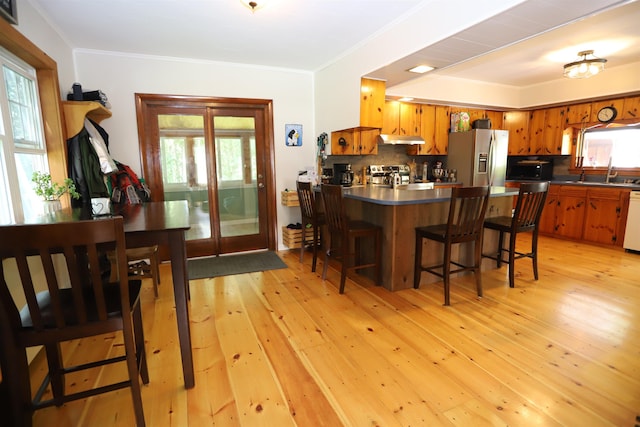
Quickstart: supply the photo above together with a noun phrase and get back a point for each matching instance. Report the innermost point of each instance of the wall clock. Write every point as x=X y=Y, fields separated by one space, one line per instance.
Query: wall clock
x=607 y=114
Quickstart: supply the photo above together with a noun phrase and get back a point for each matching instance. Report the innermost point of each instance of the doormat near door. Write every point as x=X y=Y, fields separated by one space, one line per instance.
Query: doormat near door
x=200 y=268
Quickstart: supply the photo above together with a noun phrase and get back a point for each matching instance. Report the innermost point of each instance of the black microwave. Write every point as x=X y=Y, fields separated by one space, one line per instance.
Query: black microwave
x=539 y=170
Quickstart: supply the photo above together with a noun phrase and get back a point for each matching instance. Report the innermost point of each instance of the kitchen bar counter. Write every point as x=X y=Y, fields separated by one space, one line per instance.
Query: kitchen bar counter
x=382 y=195
x=398 y=212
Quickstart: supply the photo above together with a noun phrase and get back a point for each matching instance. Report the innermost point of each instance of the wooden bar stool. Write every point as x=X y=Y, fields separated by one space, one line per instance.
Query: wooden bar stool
x=526 y=217
x=343 y=232
x=466 y=215
x=310 y=215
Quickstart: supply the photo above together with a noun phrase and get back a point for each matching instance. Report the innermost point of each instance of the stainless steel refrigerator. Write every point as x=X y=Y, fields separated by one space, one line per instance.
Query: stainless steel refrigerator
x=479 y=156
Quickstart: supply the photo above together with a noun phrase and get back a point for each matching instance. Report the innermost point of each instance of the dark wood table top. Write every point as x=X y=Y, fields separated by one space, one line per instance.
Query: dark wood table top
x=151 y=216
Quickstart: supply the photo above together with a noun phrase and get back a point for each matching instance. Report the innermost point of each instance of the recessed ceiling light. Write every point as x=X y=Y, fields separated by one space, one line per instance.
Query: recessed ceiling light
x=405 y=99
x=420 y=69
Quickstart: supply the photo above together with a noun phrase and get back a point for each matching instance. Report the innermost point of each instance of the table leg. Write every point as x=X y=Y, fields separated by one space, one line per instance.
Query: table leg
x=178 y=254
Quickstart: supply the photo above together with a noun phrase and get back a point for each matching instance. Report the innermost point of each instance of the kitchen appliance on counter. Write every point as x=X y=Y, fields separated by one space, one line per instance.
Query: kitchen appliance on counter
x=382 y=174
x=342 y=174
x=525 y=169
x=479 y=156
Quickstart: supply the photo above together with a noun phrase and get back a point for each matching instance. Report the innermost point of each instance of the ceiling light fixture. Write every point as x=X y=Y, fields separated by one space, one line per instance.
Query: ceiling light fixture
x=585 y=67
x=254 y=4
x=420 y=69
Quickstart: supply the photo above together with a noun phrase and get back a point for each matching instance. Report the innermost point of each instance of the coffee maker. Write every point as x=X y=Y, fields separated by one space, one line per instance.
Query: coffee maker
x=342 y=174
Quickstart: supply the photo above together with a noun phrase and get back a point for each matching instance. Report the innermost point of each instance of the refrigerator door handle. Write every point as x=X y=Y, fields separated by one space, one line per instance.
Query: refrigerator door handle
x=491 y=158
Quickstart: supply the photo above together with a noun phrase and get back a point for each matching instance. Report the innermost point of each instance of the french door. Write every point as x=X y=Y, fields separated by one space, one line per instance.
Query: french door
x=217 y=154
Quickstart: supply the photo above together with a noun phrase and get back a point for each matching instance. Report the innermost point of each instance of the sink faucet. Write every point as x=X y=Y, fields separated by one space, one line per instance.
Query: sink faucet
x=609 y=174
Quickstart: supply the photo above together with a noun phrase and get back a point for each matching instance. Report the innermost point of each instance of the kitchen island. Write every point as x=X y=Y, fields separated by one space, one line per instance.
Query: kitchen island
x=398 y=212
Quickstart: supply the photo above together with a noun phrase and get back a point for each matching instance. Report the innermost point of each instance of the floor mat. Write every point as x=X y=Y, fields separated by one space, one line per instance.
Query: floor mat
x=200 y=268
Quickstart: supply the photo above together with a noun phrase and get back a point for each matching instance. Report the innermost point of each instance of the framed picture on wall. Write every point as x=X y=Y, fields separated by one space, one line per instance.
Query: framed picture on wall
x=8 y=10
x=293 y=134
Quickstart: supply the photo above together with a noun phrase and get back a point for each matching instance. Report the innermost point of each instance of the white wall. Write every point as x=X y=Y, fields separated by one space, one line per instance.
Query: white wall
x=121 y=76
x=337 y=86
x=32 y=25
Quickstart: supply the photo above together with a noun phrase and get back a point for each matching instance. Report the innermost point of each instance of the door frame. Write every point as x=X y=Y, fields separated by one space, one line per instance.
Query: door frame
x=149 y=152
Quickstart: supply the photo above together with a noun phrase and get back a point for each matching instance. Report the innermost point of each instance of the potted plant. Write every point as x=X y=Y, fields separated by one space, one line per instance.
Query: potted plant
x=52 y=191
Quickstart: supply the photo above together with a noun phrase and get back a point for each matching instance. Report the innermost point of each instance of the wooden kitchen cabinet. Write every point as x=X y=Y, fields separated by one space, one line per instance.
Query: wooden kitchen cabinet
x=604 y=222
x=517 y=123
x=586 y=213
x=564 y=211
x=495 y=117
x=427 y=132
x=401 y=118
x=631 y=108
x=434 y=129
x=578 y=113
x=548 y=217
x=570 y=211
x=372 y=93
x=545 y=131
x=442 y=125
x=355 y=141
x=618 y=104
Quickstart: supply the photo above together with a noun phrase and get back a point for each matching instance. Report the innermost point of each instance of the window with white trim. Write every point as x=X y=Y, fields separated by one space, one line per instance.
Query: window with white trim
x=22 y=147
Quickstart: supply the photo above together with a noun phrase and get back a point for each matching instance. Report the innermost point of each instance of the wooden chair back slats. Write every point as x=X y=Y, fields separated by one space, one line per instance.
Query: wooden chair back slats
x=334 y=209
x=530 y=203
x=466 y=212
x=306 y=199
x=61 y=271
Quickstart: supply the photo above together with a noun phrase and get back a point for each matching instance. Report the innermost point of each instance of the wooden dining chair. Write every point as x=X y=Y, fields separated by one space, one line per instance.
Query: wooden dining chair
x=345 y=236
x=138 y=266
x=57 y=269
x=526 y=218
x=310 y=216
x=464 y=224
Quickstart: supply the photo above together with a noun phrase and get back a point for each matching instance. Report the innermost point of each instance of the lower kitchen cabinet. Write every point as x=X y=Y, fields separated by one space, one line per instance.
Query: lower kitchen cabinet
x=570 y=211
x=604 y=222
x=590 y=214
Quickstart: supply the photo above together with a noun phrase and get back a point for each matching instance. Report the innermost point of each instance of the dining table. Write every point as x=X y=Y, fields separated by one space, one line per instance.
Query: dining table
x=146 y=224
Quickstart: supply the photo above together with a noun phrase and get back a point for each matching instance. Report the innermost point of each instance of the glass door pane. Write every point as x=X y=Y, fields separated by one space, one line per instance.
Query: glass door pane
x=235 y=147
x=184 y=168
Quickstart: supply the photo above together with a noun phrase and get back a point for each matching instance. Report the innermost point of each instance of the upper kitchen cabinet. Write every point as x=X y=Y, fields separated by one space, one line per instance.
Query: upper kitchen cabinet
x=517 y=123
x=495 y=117
x=443 y=123
x=546 y=130
x=618 y=104
x=631 y=108
x=578 y=113
x=372 y=93
x=356 y=141
x=434 y=129
x=362 y=140
x=401 y=118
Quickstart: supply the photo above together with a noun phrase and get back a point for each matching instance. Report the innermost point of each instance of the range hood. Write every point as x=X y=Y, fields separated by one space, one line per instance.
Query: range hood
x=400 y=139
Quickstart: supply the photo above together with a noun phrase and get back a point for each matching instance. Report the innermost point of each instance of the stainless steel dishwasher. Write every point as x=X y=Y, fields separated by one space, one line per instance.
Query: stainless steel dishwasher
x=632 y=234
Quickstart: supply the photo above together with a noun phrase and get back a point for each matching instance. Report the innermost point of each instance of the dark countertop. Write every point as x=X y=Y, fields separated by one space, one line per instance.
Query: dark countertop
x=630 y=186
x=388 y=196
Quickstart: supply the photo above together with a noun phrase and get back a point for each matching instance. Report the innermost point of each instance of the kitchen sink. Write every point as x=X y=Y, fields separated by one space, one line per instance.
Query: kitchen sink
x=416 y=186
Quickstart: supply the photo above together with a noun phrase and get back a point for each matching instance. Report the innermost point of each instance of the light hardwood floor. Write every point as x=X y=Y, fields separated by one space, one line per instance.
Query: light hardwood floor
x=284 y=348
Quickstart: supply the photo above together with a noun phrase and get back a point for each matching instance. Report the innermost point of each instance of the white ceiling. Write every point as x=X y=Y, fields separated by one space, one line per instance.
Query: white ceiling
x=310 y=34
